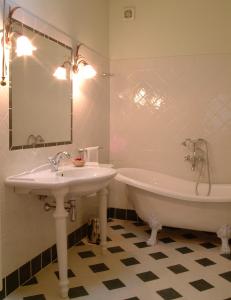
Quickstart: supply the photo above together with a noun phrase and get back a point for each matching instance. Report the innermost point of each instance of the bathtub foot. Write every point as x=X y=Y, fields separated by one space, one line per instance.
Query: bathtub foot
x=224 y=233
x=155 y=227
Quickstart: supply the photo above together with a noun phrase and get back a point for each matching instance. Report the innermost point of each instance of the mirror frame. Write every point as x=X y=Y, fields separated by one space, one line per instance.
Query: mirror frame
x=21 y=147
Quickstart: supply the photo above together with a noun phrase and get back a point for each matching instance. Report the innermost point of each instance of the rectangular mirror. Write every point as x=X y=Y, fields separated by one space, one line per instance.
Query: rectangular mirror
x=40 y=105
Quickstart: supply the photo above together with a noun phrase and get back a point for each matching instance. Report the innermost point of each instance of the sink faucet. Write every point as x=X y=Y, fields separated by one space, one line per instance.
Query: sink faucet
x=55 y=160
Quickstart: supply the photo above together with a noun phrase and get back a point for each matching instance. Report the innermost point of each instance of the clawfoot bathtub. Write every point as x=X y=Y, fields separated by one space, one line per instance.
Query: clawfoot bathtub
x=161 y=199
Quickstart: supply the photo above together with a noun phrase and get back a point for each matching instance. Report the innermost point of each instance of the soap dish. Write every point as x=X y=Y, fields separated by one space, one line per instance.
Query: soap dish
x=78 y=162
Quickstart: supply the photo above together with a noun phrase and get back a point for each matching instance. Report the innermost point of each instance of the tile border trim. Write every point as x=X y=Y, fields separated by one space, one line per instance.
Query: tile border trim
x=123 y=214
x=45 y=144
x=24 y=273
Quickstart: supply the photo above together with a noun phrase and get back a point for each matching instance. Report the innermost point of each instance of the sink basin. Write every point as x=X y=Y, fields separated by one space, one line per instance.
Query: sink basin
x=84 y=172
x=79 y=181
x=70 y=182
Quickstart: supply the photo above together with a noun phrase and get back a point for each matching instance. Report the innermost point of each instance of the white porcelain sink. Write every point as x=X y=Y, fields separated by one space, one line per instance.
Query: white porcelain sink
x=70 y=182
x=85 y=172
x=79 y=181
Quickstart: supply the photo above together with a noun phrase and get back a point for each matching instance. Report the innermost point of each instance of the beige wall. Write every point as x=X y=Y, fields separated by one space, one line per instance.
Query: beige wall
x=170 y=27
x=157 y=103
x=172 y=70
x=85 y=20
x=169 y=36
x=26 y=228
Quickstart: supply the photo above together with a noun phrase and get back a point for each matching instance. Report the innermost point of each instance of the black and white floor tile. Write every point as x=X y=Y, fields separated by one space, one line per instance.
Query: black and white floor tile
x=183 y=265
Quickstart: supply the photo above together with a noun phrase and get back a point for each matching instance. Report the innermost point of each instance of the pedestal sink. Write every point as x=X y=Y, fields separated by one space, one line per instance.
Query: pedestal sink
x=68 y=181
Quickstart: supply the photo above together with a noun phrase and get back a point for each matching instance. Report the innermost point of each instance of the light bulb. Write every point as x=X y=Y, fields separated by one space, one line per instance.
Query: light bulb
x=88 y=72
x=24 y=46
x=77 y=78
x=60 y=73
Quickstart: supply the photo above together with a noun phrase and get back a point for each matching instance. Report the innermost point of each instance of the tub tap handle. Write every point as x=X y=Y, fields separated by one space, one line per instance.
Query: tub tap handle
x=187 y=157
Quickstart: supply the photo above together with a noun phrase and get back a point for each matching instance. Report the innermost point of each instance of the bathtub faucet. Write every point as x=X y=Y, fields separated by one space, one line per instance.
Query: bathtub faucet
x=193 y=158
x=198 y=157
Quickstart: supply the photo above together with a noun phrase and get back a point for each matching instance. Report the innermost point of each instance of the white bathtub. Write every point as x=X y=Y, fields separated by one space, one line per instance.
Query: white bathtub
x=161 y=199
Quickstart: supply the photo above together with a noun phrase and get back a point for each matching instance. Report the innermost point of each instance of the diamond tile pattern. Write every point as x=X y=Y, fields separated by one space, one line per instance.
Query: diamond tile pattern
x=201 y=285
x=130 y=270
x=149 y=100
x=69 y=271
x=205 y=262
x=117 y=227
x=115 y=249
x=184 y=250
x=227 y=256
x=35 y=297
x=130 y=261
x=147 y=276
x=99 y=268
x=158 y=255
x=167 y=240
x=169 y=294
x=226 y=275
x=86 y=254
x=141 y=245
x=177 y=269
x=114 y=284
x=128 y=235
x=76 y=292
x=208 y=245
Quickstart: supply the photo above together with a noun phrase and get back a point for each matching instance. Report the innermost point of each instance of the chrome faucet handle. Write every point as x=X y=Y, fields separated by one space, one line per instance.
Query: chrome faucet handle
x=81 y=150
x=187 y=157
x=55 y=160
x=60 y=155
x=53 y=164
x=186 y=142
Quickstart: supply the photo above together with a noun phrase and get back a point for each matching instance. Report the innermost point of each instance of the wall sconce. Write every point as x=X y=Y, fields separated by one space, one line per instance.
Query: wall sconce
x=61 y=72
x=24 y=46
x=79 y=66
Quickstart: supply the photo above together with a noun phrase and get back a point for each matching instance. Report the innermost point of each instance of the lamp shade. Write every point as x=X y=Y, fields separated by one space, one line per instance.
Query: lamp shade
x=86 y=71
x=89 y=71
x=24 y=46
x=60 y=73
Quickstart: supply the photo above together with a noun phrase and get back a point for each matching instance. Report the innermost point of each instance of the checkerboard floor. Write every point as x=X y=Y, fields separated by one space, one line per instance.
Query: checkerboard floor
x=182 y=265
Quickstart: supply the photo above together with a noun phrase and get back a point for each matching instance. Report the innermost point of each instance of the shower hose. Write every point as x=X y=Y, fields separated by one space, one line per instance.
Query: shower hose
x=201 y=170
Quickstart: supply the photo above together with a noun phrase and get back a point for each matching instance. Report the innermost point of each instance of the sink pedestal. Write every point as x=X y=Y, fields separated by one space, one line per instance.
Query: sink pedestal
x=60 y=216
x=67 y=181
x=102 y=196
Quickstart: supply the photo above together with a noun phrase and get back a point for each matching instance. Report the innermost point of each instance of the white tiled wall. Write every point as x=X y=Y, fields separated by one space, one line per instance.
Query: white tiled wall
x=157 y=103
x=26 y=228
